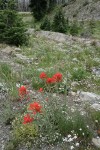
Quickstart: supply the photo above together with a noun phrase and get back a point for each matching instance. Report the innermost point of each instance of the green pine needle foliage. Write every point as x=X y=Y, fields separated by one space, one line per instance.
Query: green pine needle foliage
x=12 y=28
x=59 y=22
x=46 y=24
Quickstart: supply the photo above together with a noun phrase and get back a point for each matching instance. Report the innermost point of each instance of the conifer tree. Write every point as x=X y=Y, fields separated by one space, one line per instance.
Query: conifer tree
x=12 y=30
x=59 y=22
x=38 y=8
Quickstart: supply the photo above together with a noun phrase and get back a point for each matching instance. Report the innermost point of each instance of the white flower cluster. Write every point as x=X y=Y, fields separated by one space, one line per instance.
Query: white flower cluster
x=72 y=140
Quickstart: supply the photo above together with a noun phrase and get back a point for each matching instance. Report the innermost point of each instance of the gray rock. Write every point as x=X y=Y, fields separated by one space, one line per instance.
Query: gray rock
x=96 y=71
x=96 y=142
x=24 y=58
x=72 y=93
x=17 y=49
x=8 y=50
x=59 y=37
x=96 y=106
x=30 y=31
x=74 y=83
x=87 y=96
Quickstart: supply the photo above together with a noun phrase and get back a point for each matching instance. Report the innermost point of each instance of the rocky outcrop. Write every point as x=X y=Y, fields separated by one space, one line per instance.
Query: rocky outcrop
x=83 y=10
x=60 y=37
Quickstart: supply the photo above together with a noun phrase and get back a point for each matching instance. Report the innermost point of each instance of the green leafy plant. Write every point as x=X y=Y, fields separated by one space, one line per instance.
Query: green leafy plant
x=79 y=74
x=25 y=133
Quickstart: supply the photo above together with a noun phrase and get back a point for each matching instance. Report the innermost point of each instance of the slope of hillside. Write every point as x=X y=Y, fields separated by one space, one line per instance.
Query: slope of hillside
x=83 y=9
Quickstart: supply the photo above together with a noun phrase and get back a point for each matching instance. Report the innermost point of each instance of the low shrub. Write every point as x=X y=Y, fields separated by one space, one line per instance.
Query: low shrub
x=25 y=133
x=46 y=24
x=74 y=28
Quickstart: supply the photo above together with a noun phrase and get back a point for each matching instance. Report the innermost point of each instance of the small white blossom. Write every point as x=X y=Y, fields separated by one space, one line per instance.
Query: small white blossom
x=64 y=139
x=75 y=137
x=72 y=147
x=83 y=134
x=72 y=131
x=18 y=85
x=80 y=129
x=87 y=126
x=77 y=144
x=69 y=136
x=96 y=121
x=70 y=140
x=72 y=109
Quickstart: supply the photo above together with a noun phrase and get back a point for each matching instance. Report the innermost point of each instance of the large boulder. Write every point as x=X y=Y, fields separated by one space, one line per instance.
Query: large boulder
x=88 y=96
x=96 y=142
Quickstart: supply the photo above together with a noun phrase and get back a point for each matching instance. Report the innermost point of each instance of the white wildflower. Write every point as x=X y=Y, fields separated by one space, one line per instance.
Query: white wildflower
x=64 y=139
x=70 y=140
x=18 y=85
x=96 y=121
x=72 y=131
x=77 y=144
x=80 y=129
x=69 y=136
x=83 y=134
x=87 y=126
x=75 y=137
x=72 y=147
x=72 y=109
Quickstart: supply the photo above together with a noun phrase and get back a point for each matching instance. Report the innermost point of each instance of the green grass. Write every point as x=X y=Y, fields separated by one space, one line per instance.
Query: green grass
x=48 y=56
x=97 y=30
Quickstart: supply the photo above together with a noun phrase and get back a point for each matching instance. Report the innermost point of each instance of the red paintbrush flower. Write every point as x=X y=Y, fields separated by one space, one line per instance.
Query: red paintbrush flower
x=43 y=75
x=22 y=90
x=35 y=107
x=57 y=77
x=27 y=119
x=50 y=80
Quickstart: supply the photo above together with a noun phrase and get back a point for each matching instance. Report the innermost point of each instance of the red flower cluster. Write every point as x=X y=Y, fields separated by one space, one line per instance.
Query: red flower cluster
x=55 y=78
x=27 y=119
x=22 y=91
x=43 y=75
x=50 y=80
x=35 y=107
